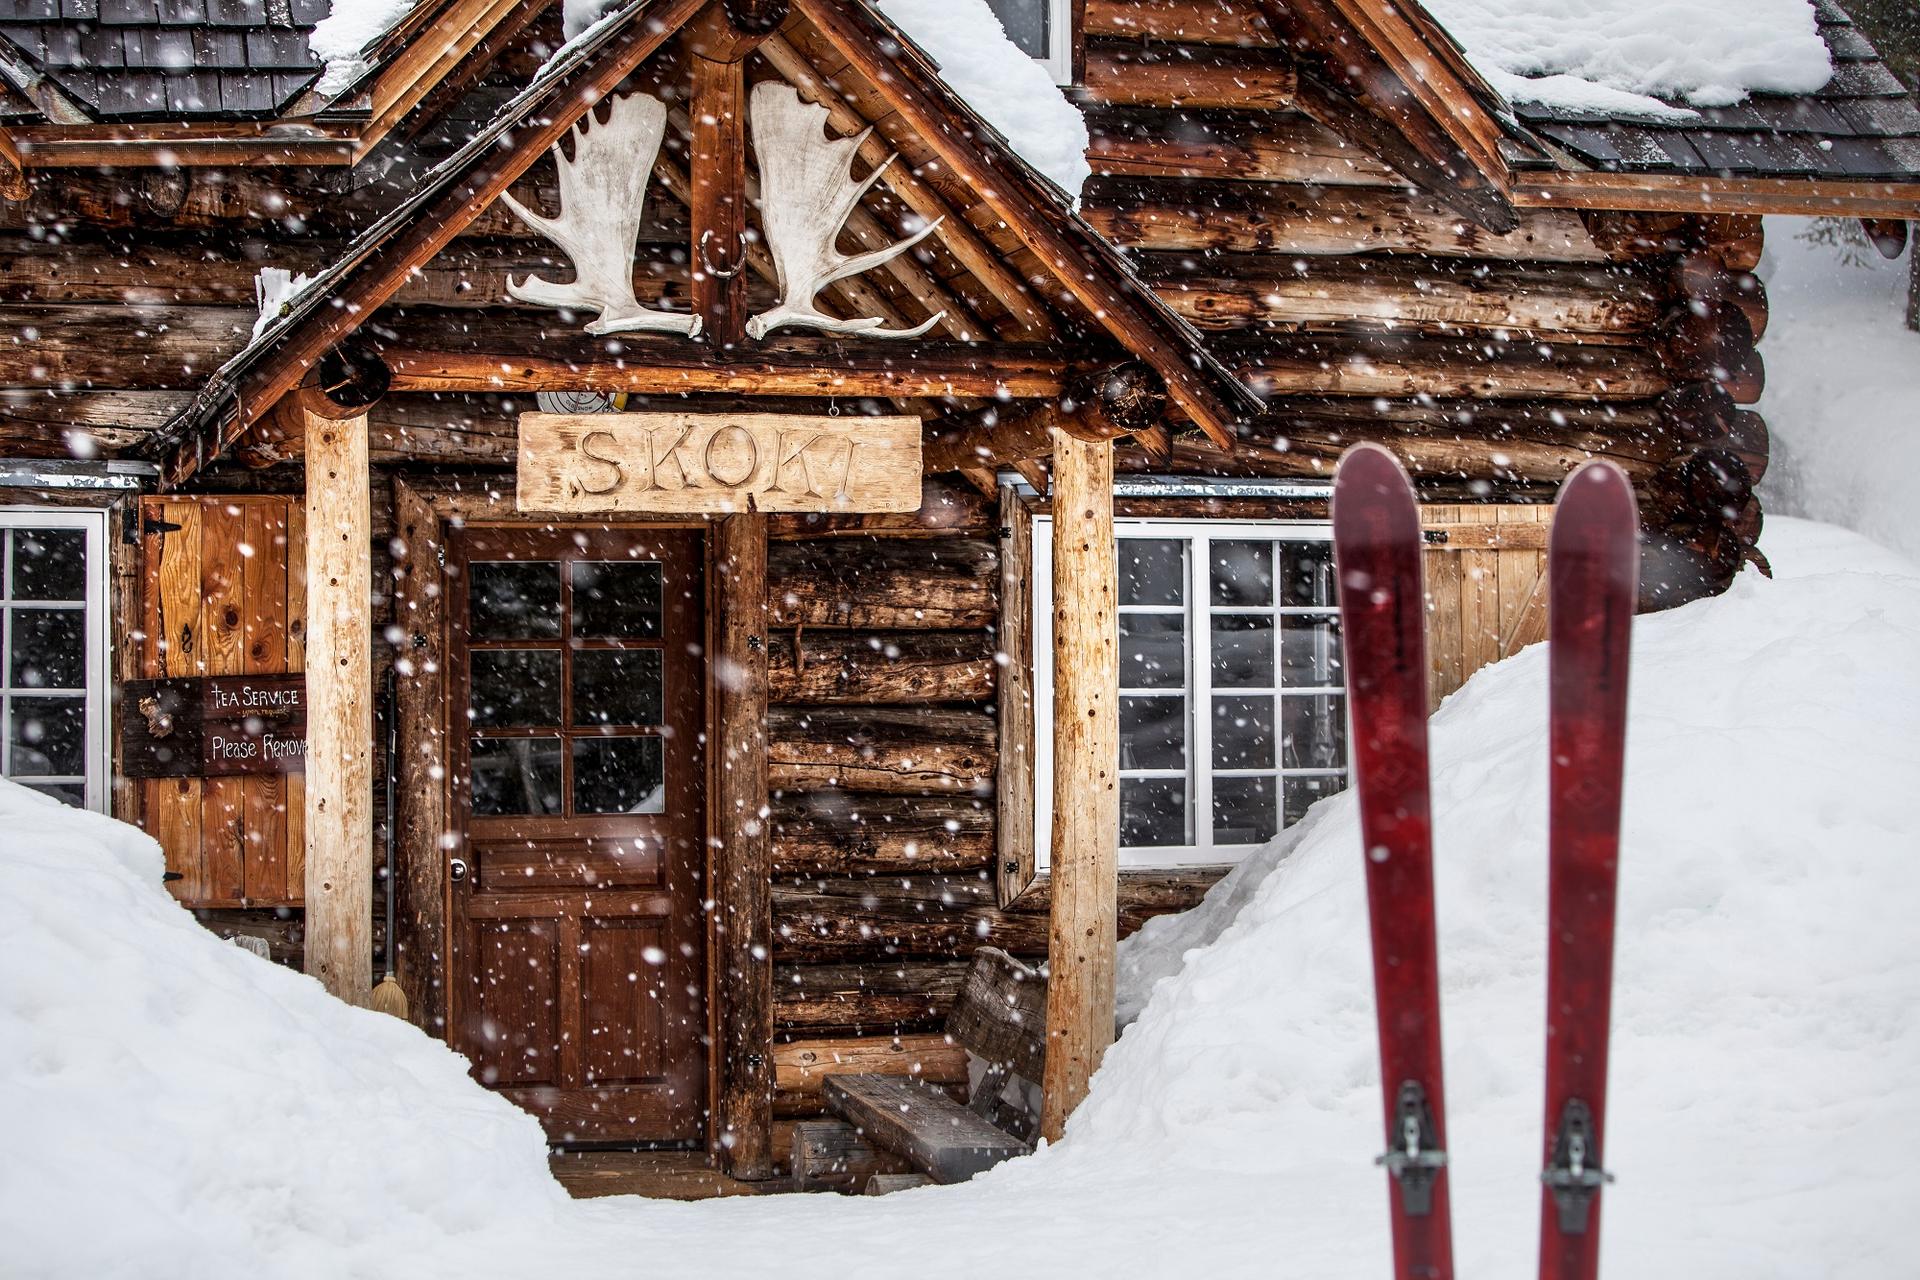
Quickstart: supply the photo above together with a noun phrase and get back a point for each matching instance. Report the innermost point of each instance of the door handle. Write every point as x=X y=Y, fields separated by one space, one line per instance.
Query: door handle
x=457 y=869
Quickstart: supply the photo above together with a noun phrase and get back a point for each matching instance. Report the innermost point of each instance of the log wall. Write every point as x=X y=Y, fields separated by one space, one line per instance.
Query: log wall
x=1363 y=308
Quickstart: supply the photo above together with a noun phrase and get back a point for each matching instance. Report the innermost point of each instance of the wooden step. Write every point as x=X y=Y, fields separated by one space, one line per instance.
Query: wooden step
x=943 y=1139
x=832 y=1155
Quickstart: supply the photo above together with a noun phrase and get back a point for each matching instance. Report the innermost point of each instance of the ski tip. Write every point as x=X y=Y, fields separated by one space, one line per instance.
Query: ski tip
x=1598 y=490
x=1371 y=470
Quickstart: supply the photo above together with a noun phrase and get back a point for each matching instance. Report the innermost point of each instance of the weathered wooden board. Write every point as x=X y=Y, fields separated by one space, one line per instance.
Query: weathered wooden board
x=942 y=1138
x=717 y=462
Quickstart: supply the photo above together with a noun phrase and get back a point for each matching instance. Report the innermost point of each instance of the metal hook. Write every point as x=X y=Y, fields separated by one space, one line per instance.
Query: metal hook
x=739 y=256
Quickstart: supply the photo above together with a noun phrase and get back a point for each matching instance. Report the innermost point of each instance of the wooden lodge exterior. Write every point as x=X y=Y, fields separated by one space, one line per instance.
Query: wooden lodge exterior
x=696 y=799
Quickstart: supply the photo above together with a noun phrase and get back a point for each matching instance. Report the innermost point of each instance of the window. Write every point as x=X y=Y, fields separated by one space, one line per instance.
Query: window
x=1043 y=30
x=1232 y=698
x=53 y=681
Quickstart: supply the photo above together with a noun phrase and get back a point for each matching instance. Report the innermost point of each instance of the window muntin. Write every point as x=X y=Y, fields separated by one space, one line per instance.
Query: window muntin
x=53 y=677
x=1232 y=696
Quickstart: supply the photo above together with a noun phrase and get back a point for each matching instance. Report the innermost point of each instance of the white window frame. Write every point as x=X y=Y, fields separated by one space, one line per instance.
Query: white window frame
x=1198 y=689
x=99 y=730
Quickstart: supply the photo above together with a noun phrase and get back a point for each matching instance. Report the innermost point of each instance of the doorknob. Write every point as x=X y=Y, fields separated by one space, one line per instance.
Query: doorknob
x=457 y=869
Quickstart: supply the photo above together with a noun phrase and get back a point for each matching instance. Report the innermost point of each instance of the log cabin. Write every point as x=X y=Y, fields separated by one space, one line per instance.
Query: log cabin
x=664 y=539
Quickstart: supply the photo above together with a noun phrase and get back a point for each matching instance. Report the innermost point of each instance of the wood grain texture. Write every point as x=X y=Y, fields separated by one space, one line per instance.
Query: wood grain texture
x=339 y=790
x=742 y=956
x=678 y=463
x=939 y=1136
x=1086 y=747
x=1014 y=785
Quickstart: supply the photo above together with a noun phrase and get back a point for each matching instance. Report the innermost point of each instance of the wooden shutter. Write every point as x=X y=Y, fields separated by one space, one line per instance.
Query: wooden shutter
x=223 y=592
x=1486 y=587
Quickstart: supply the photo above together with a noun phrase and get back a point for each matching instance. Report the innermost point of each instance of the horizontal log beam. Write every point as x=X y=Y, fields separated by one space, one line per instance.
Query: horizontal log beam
x=1225 y=292
x=1282 y=219
x=1228 y=146
x=1204 y=22
x=880 y=749
x=663 y=369
x=897 y=668
x=850 y=833
x=883 y=585
x=1403 y=366
x=1127 y=75
x=881 y=994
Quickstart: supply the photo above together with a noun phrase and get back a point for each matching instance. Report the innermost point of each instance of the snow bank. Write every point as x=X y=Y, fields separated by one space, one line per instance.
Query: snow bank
x=345 y=33
x=1621 y=56
x=1766 y=1021
x=175 y=1107
x=1843 y=386
x=1012 y=92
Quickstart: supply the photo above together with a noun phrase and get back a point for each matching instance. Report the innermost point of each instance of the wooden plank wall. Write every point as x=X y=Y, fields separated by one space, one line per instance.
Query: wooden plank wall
x=224 y=594
x=1486 y=588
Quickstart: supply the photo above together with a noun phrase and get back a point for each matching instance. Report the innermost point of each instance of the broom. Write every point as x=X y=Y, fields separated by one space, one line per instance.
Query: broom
x=387 y=996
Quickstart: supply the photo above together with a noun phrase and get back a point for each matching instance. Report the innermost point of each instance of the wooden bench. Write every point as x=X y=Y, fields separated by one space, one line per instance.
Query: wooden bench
x=1000 y=1018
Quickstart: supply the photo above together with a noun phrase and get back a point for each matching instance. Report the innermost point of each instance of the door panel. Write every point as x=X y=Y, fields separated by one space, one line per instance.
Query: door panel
x=579 y=947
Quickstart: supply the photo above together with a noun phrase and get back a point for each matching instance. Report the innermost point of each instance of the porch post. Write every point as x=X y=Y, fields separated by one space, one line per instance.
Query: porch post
x=1086 y=759
x=339 y=792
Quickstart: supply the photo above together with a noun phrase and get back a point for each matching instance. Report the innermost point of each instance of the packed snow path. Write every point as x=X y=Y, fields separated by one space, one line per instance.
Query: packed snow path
x=175 y=1107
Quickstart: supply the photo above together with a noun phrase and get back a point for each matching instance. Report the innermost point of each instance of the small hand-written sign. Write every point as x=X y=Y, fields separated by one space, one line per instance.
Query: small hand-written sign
x=213 y=726
x=717 y=462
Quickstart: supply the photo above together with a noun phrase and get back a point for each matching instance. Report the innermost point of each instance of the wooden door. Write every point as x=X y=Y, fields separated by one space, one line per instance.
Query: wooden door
x=223 y=593
x=578 y=943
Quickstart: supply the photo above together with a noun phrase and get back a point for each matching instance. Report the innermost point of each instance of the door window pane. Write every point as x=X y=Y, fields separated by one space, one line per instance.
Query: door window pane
x=512 y=776
x=1153 y=571
x=1153 y=733
x=513 y=600
x=1316 y=731
x=1153 y=651
x=1244 y=811
x=47 y=649
x=517 y=687
x=1242 y=572
x=616 y=599
x=1153 y=812
x=1310 y=651
x=617 y=687
x=1243 y=650
x=49 y=564
x=1243 y=733
x=49 y=737
x=619 y=775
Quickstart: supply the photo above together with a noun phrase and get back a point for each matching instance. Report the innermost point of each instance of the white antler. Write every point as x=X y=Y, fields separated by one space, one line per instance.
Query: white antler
x=603 y=193
x=807 y=192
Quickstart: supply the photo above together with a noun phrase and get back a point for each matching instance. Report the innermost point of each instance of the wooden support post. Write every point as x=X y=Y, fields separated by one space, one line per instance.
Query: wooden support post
x=339 y=812
x=742 y=956
x=718 y=172
x=1082 y=931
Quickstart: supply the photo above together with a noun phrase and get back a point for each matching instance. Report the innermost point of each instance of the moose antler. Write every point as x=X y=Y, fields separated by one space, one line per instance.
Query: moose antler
x=807 y=192
x=603 y=193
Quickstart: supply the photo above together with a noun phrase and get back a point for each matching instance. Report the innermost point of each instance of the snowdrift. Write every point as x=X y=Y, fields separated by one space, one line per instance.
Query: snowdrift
x=174 y=1106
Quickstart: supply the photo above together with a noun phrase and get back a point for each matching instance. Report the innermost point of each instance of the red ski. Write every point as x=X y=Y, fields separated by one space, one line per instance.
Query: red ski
x=1377 y=548
x=1593 y=574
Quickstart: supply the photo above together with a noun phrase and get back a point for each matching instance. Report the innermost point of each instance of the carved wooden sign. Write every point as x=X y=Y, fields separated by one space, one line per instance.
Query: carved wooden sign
x=213 y=726
x=717 y=462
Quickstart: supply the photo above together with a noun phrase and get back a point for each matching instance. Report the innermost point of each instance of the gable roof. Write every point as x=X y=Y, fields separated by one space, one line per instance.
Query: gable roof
x=170 y=59
x=1861 y=127
x=459 y=189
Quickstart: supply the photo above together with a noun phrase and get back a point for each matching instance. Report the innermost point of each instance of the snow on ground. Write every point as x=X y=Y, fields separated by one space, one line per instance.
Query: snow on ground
x=1012 y=92
x=176 y=1107
x=1621 y=56
x=1842 y=400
